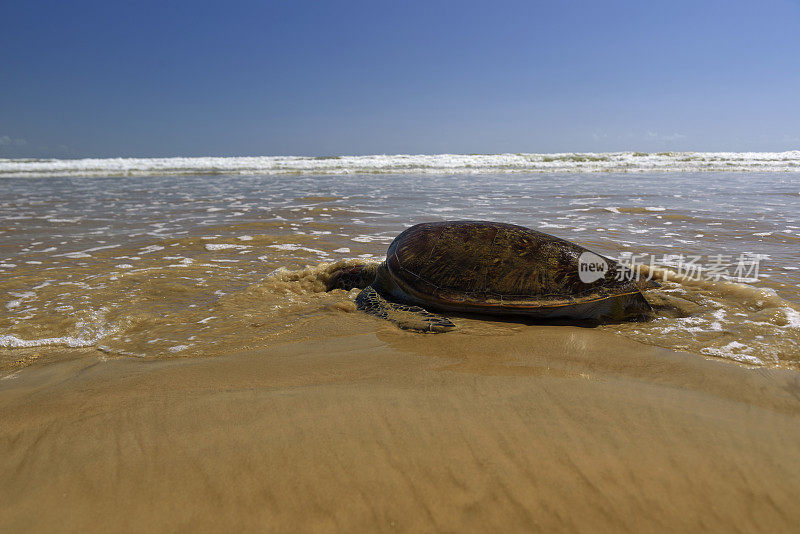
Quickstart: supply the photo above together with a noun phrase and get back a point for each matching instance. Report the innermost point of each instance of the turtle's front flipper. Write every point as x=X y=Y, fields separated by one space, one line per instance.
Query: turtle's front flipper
x=403 y=315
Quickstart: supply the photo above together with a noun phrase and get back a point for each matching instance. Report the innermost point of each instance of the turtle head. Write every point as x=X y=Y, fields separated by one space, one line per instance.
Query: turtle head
x=348 y=277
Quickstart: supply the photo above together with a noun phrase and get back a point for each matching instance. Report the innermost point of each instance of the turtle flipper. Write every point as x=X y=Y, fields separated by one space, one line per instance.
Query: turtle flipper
x=403 y=315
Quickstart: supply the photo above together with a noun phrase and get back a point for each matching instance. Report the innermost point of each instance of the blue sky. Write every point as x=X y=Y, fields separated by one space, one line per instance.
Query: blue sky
x=324 y=78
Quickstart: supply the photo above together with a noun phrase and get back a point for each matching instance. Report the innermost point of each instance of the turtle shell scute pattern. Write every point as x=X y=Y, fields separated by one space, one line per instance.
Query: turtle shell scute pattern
x=494 y=264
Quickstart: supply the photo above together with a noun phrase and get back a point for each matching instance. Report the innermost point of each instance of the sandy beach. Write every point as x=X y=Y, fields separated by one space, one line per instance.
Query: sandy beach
x=553 y=428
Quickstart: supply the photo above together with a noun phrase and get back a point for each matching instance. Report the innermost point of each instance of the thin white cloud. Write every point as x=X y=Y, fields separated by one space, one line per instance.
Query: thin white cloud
x=663 y=137
x=6 y=140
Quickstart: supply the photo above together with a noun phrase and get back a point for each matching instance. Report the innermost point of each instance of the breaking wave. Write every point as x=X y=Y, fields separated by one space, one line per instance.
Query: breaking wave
x=404 y=163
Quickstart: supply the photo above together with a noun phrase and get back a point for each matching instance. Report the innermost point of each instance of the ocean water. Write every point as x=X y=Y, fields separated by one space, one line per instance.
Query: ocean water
x=181 y=257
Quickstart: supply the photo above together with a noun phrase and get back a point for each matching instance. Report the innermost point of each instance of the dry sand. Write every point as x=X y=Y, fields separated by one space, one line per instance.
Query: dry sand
x=536 y=428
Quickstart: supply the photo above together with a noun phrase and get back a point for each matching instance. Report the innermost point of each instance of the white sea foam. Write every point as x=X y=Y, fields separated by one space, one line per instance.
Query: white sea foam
x=734 y=351
x=407 y=163
x=370 y=238
x=13 y=342
x=89 y=331
x=224 y=246
x=294 y=246
x=792 y=317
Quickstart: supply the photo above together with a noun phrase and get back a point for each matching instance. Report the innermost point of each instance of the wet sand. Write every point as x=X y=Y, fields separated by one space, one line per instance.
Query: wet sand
x=368 y=428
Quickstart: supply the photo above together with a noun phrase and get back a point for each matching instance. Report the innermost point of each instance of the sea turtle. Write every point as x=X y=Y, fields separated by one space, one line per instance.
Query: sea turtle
x=491 y=268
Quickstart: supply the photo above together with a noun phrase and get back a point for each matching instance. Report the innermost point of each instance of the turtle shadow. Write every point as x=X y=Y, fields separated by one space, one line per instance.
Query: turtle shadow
x=527 y=320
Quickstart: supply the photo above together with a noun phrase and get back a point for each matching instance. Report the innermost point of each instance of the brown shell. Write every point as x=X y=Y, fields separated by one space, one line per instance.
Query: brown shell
x=477 y=264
